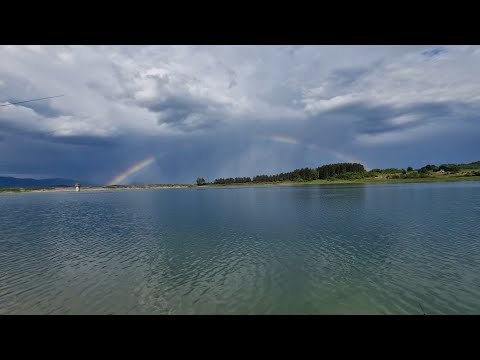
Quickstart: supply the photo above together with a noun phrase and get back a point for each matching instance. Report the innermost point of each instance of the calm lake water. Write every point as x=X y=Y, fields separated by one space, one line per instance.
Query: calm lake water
x=364 y=249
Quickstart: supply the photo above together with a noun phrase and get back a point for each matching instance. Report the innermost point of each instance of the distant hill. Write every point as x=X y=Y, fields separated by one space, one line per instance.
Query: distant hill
x=12 y=182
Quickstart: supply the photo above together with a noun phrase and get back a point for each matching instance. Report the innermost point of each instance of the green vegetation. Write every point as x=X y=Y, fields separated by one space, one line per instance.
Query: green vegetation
x=200 y=181
x=20 y=190
x=237 y=180
x=455 y=168
x=346 y=173
x=12 y=190
x=346 y=170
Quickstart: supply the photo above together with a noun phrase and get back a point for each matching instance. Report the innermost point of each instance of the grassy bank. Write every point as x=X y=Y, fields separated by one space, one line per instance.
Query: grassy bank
x=21 y=190
x=150 y=186
x=445 y=178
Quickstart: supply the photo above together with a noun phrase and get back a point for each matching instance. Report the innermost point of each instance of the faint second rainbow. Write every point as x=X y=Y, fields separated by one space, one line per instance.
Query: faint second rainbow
x=119 y=178
x=285 y=139
x=334 y=152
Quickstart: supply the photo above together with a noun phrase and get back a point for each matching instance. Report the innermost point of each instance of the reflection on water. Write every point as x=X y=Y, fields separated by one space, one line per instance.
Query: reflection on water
x=367 y=249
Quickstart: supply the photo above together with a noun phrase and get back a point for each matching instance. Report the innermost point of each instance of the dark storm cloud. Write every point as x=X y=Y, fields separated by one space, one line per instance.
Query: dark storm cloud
x=44 y=109
x=433 y=52
x=346 y=77
x=381 y=119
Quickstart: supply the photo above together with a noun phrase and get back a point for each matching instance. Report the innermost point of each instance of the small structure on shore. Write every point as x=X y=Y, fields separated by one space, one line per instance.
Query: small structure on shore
x=77 y=187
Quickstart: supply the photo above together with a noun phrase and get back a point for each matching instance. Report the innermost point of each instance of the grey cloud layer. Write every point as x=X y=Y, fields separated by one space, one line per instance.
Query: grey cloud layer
x=211 y=110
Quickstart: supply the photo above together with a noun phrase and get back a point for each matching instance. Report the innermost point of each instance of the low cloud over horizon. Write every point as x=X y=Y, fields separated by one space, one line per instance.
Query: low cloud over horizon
x=221 y=111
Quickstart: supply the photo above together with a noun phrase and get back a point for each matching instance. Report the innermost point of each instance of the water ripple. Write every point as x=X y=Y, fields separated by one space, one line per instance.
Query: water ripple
x=382 y=249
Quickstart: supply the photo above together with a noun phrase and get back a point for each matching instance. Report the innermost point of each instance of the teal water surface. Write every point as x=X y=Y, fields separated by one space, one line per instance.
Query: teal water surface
x=363 y=249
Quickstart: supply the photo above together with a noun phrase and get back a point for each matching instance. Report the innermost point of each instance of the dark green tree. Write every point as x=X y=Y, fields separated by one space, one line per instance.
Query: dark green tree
x=409 y=168
x=200 y=181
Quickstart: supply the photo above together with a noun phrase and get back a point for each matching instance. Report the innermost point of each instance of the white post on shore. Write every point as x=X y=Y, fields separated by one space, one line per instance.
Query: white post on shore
x=77 y=187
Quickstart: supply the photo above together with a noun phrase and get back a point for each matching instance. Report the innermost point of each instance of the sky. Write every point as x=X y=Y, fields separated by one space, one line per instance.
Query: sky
x=170 y=114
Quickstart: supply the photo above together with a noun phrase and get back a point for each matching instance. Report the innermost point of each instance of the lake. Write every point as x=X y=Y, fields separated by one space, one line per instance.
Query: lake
x=336 y=249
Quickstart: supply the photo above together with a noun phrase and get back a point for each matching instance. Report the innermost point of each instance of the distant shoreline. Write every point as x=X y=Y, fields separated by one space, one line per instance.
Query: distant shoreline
x=93 y=188
x=353 y=182
x=284 y=183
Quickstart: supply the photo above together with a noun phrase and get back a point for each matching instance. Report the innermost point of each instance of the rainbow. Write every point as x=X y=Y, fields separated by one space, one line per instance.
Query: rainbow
x=137 y=167
x=285 y=139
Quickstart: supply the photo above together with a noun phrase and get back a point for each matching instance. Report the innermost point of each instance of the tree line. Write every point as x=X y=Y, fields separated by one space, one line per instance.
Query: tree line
x=237 y=180
x=303 y=174
x=347 y=171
